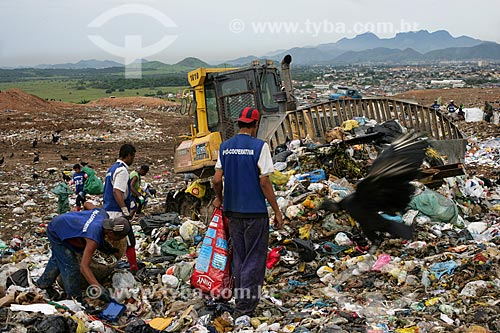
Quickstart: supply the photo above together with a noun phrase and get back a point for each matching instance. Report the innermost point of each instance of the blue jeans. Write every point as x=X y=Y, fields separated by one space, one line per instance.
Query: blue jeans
x=249 y=237
x=63 y=261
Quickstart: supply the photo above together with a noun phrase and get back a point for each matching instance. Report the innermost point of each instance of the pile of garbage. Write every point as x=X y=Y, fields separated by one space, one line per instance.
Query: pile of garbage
x=321 y=276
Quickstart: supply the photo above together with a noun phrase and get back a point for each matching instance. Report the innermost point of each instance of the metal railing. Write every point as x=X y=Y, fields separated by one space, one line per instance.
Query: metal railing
x=312 y=122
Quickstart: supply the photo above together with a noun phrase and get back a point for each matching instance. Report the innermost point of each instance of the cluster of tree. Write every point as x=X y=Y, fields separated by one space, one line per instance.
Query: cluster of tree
x=475 y=81
x=24 y=74
x=120 y=84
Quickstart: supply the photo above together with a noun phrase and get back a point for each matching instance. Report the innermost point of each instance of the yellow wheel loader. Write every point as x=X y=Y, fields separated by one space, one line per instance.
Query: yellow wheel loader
x=217 y=96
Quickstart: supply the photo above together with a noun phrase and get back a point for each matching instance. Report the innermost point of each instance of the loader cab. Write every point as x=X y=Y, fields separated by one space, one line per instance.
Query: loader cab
x=227 y=93
x=219 y=95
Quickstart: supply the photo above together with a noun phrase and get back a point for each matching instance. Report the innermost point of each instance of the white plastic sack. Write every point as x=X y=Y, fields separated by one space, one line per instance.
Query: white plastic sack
x=189 y=229
x=293 y=211
x=123 y=282
x=170 y=281
x=473 y=114
x=474 y=187
x=342 y=239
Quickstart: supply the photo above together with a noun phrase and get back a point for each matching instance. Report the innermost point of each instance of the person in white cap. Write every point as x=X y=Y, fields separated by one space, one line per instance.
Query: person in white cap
x=79 y=232
x=451 y=107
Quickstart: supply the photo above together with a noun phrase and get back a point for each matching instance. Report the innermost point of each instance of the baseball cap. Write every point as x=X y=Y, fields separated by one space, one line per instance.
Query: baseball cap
x=120 y=226
x=248 y=115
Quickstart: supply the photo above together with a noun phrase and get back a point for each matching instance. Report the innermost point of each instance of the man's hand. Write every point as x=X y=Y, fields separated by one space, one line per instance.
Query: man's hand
x=278 y=221
x=107 y=248
x=104 y=294
x=125 y=212
x=217 y=202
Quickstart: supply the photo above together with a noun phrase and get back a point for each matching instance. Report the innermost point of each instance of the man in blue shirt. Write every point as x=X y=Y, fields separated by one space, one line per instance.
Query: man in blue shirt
x=245 y=162
x=79 y=232
x=435 y=106
x=452 y=107
x=118 y=195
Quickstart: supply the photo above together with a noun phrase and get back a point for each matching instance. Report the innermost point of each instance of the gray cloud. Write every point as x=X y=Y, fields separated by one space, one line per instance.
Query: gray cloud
x=55 y=31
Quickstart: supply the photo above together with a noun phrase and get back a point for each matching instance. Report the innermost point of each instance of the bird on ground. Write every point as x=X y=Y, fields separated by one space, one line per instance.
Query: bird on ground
x=65 y=176
x=11 y=154
x=55 y=138
x=64 y=157
x=1 y=160
x=386 y=188
x=36 y=158
x=35 y=142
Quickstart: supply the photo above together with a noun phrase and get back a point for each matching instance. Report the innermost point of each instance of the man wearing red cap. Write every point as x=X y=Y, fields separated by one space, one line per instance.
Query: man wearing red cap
x=246 y=164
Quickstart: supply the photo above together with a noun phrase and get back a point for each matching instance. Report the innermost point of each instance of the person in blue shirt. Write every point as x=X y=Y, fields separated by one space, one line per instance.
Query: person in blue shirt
x=117 y=195
x=245 y=163
x=452 y=107
x=79 y=232
x=435 y=106
x=79 y=180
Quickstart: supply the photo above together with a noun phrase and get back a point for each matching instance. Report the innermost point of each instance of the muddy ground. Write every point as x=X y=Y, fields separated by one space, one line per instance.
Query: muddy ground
x=91 y=133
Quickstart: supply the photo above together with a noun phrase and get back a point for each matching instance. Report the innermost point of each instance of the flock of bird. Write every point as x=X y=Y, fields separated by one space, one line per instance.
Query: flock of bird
x=36 y=155
x=387 y=187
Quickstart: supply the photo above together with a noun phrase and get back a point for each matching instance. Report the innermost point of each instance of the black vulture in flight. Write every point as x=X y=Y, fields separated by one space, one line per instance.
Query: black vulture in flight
x=386 y=189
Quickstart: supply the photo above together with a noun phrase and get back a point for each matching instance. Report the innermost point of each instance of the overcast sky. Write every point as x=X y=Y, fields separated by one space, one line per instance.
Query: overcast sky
x=57 y=31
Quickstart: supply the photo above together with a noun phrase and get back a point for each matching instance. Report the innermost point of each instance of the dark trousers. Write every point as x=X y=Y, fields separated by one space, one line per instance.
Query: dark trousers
x=249 y=237
x=63 y=261
x=80 y=199
x=139 y=206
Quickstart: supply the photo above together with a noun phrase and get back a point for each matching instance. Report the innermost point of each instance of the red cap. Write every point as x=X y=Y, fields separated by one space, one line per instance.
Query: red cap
x=248 y=115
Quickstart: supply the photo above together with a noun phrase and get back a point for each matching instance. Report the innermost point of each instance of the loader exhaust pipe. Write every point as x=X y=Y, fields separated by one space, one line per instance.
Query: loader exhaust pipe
x=287 y=82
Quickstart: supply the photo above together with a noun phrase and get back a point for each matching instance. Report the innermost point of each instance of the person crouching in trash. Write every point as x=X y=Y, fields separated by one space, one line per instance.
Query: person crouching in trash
x=79 y=232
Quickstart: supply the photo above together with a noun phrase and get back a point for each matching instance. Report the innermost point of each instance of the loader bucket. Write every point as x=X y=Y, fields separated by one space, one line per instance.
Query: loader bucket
x=453 y=150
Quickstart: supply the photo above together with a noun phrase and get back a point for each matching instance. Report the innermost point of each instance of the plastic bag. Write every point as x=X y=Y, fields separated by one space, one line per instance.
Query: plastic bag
x=278 y=178
x=19 y=278
x=93 y=184
x=305 y=248
x=436 y=206
x=197 y=189
x=172 y=246
x=212 y=273
x=61 y=189
x=123 y=282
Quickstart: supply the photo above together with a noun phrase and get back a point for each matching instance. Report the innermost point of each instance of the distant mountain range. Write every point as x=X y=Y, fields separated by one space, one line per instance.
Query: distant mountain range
x=405 y=47
x=183 y=65
x=82 y=64
x=418 y=46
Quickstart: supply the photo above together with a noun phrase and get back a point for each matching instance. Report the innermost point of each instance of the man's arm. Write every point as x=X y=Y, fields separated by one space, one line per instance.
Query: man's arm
x=266 y=166
x=120 y=185
x=267 y=189
x=118 y=195
x=88 y=252
x=217 y=182
x=133 y=181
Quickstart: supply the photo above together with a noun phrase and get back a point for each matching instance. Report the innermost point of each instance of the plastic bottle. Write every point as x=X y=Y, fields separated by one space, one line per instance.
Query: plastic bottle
x=402 y=277
x=425 y=279
x=3 y=247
